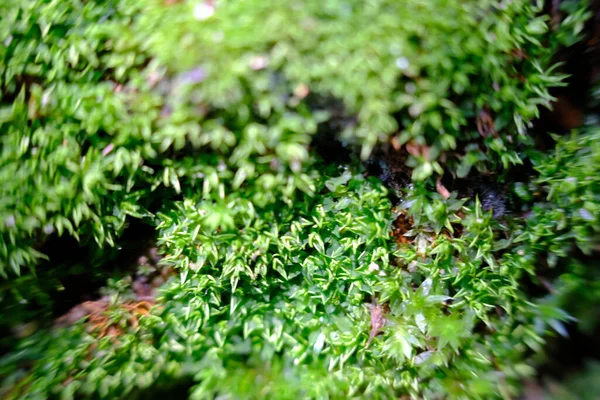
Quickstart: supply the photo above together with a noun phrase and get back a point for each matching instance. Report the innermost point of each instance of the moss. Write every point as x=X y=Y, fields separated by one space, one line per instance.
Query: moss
x=291 y=274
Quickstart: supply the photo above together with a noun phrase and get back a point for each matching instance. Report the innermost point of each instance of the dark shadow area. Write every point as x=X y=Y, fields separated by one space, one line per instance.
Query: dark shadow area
x=74 y=274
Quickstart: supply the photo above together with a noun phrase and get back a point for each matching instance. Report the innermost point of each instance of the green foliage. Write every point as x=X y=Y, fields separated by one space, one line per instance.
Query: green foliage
x=570 y=184
x=112 y=101
x=566 y=219
x=277 y=295
x=435 y=64
x=202 y=125
x=60 y=117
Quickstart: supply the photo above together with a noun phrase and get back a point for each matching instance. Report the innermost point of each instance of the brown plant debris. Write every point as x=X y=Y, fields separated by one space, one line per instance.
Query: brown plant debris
x=441 y=189
x=378 y=320
x=418 y=150
x=401 y=225
x=99 y=316
x=485 y=124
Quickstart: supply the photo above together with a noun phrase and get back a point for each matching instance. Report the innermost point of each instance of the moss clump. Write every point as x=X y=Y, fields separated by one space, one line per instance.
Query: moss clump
x=295 y=277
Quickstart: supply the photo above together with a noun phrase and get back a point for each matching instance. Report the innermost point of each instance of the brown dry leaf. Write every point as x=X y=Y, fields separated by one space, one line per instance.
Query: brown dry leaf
x=378 y=319
x=413 y=149
x=141 y=307
x=519 y=54
x=68 y=380
x=417 y=150
x=81 y=310
x=98 y=320
x=395 y=142
x=441 y=189
x=402 y=224
x=485 y=124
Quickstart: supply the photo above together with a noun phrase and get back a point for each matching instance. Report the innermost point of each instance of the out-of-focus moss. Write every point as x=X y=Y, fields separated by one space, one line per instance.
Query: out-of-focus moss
x=282 y=259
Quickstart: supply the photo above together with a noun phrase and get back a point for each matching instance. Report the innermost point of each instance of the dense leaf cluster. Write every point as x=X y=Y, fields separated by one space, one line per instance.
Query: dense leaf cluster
x=295 y=277
x=60 y=117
